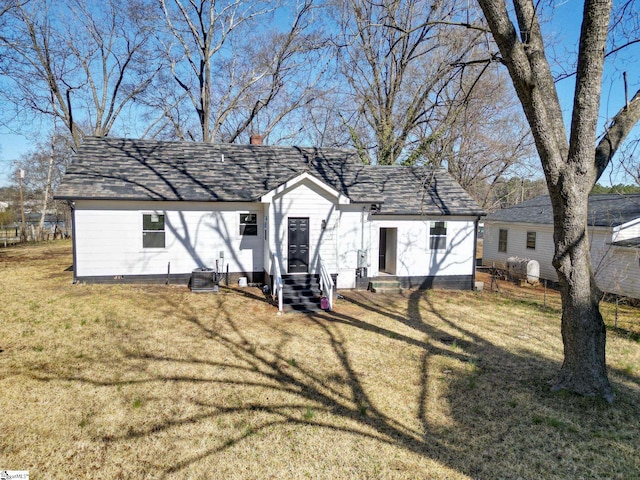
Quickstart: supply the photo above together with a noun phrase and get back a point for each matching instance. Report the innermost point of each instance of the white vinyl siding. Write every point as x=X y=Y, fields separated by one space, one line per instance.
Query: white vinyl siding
x=414 y=257
x=517 y=246
x=109 y=238
x=619 y=273
x=355 y=233
x=617 y=270
x=306 y=200
x=351 y=228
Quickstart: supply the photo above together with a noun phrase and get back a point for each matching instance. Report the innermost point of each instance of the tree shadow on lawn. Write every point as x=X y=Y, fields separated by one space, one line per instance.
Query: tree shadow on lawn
x=491 y=392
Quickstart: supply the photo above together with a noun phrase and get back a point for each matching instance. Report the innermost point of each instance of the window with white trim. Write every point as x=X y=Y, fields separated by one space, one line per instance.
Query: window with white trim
x=153 y=230
x=531 y=240
x=248 y=224
x=438 y=236
x=502 y=240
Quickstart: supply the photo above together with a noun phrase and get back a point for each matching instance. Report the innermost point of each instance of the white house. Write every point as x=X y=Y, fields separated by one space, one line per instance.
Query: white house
x=144 y=210
x=526 y=231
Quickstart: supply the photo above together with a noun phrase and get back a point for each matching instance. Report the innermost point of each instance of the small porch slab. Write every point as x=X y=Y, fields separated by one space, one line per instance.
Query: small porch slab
x=385 y=285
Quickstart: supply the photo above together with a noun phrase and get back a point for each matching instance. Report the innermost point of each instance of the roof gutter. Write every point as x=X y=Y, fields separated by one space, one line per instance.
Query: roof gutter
x=474 y=215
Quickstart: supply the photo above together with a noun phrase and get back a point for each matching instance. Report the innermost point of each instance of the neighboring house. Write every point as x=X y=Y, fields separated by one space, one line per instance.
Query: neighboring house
x=146 y=208
x=526 y=231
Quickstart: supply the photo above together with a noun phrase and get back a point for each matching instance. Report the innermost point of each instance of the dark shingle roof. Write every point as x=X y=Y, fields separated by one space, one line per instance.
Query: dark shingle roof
x=126 y=169
x=608 y=210
x=421 y=190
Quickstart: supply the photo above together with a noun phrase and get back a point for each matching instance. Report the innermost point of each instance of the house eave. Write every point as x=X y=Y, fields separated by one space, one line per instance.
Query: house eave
x=381 y=214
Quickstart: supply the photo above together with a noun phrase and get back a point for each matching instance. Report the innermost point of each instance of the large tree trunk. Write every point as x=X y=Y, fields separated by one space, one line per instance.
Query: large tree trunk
x=583 y=331
x=584 y=368
x=571 y=169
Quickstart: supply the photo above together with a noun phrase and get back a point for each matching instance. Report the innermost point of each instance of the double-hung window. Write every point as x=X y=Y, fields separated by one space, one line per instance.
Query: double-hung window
x=438 y=236
x=248 y=224
x=531 y=240
x=153 y=230
x=502 y=240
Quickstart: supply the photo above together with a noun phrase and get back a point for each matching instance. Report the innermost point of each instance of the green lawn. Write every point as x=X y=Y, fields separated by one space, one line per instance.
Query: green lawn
x=156 y=382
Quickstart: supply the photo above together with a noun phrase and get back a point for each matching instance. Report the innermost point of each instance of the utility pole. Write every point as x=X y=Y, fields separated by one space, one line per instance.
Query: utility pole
x=23 y=230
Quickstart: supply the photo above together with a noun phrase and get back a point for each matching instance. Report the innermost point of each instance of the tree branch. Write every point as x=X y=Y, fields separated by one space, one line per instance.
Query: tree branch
x=622 y=123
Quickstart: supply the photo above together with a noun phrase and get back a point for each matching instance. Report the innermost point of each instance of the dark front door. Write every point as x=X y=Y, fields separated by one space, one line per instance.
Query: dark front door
x=298 y=245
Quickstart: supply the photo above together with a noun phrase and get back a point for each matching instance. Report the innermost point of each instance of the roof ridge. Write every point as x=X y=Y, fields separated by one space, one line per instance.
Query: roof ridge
x=220 y=144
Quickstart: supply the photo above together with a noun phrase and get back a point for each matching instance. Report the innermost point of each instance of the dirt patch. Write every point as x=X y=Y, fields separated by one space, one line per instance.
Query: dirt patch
x=507 y=286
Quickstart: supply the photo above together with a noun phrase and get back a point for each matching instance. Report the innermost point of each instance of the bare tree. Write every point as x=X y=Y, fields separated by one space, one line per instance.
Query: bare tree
x=399 y=59
x=486 y=137
x=91 y=60
x=44 y=167
x=235 y=73
x=572 y=164
x=325 y=122
x=6 y=5
x=630 y=160
x=511 y=191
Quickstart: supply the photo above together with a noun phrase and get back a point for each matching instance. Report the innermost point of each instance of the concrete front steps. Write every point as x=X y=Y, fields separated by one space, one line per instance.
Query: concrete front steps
x=301 y=293
x=384 y=285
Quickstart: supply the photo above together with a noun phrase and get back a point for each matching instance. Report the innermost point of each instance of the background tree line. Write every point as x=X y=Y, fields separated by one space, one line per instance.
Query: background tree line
x=393 y=80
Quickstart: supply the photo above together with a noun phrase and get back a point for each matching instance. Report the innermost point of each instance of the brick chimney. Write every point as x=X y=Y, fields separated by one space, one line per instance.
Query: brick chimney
x=256 y=139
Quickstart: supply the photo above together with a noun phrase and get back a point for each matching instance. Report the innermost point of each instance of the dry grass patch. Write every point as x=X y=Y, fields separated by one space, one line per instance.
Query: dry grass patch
x=156 y=382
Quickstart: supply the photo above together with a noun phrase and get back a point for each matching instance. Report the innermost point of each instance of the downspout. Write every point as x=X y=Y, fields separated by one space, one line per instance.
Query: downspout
x=72 y=206
x=362 y=228
x=475 y=252
x=362 y=249
x=336 y=238
x=370 y=242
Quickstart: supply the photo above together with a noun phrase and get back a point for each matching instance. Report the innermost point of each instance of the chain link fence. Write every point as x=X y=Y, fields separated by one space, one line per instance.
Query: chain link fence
x=619 y=313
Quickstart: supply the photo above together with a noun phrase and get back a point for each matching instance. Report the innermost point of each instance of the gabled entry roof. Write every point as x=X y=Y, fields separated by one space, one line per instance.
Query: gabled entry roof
x=302 y=177
x=128 y=169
